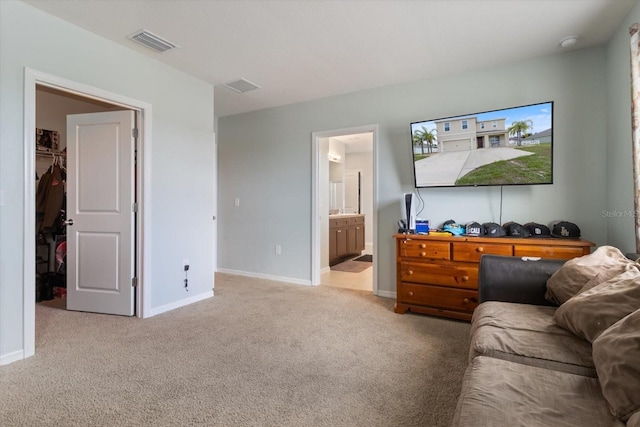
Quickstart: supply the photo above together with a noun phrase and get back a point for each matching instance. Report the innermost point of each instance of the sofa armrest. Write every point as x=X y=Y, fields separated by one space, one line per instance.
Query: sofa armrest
x=515 y=279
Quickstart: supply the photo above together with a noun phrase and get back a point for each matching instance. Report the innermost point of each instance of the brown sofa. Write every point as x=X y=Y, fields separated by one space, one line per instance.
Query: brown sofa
x=541 y=355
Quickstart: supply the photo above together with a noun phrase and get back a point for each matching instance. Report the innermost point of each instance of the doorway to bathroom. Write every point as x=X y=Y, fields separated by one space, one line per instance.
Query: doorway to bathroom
x=344 y=196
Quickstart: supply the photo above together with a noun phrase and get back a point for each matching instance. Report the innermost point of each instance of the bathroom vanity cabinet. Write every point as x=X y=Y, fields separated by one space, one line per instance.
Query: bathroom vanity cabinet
x=346 y=237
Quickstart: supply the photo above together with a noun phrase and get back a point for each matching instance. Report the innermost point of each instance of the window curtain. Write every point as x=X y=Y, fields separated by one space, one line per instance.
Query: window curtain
x=635 y=126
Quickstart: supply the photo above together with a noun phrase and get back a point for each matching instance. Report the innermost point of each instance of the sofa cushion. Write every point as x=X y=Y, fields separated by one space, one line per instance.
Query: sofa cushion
x=589 y=313
x=500 y=393
x=526 y=333
x=616 y=355
x=569 y=279
x=607 y=274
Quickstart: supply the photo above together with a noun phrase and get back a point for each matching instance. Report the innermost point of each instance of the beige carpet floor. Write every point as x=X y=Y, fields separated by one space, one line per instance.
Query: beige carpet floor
x=260 y=353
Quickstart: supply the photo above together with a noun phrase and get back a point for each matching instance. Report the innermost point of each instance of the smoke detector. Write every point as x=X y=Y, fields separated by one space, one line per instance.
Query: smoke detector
x=241 y=86
x=152 y=41
x=568 y=42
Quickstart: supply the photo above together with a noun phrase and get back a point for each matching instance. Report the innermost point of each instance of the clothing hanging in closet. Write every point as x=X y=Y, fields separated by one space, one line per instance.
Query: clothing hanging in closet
x=50 y=197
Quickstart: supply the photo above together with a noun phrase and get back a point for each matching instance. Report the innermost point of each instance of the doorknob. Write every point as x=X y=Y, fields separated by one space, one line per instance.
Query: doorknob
x=68 y=222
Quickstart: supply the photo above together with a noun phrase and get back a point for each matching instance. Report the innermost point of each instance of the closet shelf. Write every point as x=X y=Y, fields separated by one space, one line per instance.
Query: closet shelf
x=50 y=153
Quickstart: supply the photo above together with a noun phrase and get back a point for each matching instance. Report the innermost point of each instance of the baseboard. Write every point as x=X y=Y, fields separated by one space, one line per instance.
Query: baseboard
x=181 y=303
x=5 y=359
x=324 y=270
x=387 y=294
x=265 y=276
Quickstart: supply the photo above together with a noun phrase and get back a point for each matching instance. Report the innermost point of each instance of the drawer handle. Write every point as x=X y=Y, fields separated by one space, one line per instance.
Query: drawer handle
x=480 y=249
x=466 y=300
x=465 y=278
x=410 y=293
x=339 y=231
x=423 y=254
x=423 y=246
x=410 y=272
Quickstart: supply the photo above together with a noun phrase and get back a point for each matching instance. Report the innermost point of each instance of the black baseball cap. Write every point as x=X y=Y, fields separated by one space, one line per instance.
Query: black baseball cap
x=474 y=229
x=514 y=229
x=491 y=229
x=538 y=230
x=565 y=230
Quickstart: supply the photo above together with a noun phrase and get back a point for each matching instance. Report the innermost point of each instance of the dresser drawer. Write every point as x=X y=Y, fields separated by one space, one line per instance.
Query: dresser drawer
x=560 y=252
x=438 y=274
x=464 y=251
x=438 y=297
x=426 y=250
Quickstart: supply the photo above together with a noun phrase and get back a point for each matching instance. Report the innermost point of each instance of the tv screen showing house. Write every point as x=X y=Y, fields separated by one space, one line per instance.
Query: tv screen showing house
x=510 y=146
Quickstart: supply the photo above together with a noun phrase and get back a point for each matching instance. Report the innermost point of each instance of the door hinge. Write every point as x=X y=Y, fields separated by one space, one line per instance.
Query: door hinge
x=134 y=207
x=134 y=282
x=134 y=132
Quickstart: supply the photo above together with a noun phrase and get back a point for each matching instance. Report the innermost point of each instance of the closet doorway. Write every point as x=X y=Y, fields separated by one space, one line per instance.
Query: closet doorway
x=100 y=184
x=36 y=80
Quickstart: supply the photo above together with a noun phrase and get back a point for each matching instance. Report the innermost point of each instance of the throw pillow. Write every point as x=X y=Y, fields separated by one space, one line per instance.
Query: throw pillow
x=616 y=355
x=569 y=279
x=591 y=312
x=607 y=274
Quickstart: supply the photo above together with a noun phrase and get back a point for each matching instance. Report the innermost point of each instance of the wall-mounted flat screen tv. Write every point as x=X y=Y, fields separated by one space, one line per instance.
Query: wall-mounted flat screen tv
x=510 y=146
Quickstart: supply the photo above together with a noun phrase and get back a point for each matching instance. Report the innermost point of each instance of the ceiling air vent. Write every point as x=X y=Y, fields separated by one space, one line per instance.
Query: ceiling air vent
x=152 y=41
x=241 y=86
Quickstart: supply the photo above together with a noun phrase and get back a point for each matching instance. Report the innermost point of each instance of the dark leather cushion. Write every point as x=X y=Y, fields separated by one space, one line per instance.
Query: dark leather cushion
x=515 y=279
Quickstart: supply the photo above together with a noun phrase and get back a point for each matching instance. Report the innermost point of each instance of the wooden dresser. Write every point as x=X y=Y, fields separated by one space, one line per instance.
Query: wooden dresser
x=438 y=275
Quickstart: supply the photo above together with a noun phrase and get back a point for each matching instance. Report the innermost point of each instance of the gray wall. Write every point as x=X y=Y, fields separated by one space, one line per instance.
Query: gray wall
x=265 y=159
x=181 y=147
x=618 y=211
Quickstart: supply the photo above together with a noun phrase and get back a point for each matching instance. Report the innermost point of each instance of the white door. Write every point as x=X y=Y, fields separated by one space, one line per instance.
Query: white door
x=100 y=217
x=352 y=192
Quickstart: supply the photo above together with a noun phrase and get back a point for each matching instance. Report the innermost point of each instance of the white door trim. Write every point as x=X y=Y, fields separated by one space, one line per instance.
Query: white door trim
x=316 y=215
x=143 y=173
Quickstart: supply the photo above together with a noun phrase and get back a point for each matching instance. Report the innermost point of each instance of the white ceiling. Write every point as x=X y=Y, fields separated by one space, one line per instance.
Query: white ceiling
x=356 y=143
x=300 y=50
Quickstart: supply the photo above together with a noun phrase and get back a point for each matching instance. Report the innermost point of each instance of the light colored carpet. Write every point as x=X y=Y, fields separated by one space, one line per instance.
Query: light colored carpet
x=260 y=353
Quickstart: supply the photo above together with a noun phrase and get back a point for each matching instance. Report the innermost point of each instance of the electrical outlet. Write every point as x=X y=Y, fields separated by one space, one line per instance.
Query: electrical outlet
x=278 y=250
x=236 y=202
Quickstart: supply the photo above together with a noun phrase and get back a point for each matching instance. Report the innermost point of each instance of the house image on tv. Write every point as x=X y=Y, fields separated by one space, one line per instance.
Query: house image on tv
x=543 y=137
x=467 y=133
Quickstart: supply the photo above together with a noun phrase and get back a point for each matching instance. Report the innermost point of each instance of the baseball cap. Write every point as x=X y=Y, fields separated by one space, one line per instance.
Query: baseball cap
x=565 y=230
x=474 y=229
x=492 y=229
x=514 y=229
x=538 y=230
x=453 y=228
